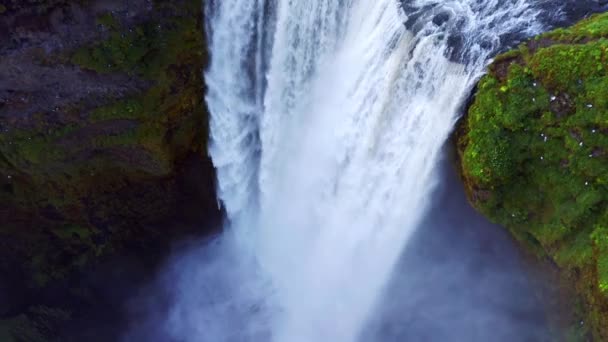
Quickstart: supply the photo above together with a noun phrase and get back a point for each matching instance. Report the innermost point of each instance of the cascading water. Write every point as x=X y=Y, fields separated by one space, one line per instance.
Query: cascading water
x=328 y=118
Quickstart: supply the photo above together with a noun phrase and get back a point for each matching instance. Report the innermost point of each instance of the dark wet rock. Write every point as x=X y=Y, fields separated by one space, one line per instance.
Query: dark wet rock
x=103 y=161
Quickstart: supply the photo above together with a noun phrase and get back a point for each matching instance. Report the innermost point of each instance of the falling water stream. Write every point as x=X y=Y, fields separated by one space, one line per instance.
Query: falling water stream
x=328 y=119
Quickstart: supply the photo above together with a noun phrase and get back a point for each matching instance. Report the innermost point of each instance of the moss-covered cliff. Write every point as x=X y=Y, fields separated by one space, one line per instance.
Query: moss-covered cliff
x=102 y=141
x=534 y=156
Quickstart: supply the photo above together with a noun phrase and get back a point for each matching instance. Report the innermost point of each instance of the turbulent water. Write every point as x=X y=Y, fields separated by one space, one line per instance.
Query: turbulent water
x=328 y=119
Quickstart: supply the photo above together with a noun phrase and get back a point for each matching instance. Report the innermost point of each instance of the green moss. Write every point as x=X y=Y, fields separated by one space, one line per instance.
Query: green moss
x=145 y=50
x=170 y=55
x=562 y=67
x=120 y=52
x=535 y=154
x=32 y=147
x=133 y=108
x=509 y=55
x=72 y=170
x=592 y=28
x=165 y=121
x=600 y=239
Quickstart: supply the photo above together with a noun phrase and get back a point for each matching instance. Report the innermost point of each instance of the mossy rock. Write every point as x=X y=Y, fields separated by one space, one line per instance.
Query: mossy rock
x=534 y=155
x=101 y=174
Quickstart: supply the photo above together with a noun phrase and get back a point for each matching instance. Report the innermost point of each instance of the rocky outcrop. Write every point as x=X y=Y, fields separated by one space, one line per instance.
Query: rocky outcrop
x=534 y=157
x=103 y=131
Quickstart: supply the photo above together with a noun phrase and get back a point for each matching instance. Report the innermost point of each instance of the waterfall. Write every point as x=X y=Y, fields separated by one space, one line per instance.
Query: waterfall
x=327 y=122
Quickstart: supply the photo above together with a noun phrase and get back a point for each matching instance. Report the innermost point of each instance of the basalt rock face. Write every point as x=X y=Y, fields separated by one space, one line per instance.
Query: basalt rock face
x=103 y=131
x=534 y=157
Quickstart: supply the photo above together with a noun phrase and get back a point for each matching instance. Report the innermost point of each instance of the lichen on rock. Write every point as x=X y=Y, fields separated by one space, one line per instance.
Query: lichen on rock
x=534 y=155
